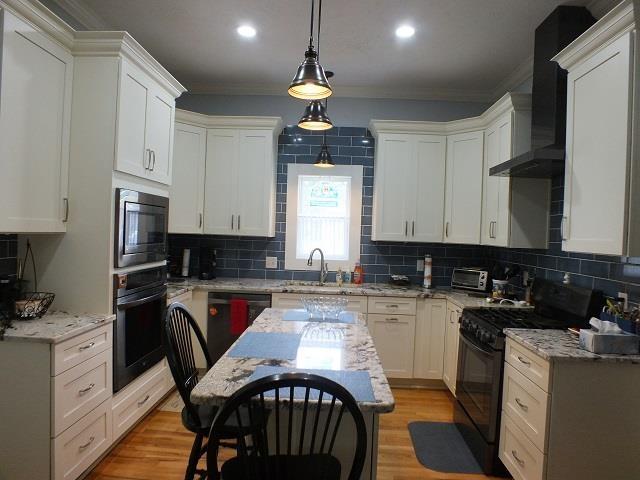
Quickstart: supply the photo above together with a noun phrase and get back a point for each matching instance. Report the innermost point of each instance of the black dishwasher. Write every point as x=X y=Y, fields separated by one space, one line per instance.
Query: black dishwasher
x=219 y=327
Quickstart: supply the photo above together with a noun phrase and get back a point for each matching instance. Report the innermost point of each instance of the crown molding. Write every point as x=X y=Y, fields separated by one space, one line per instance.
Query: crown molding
x=42 y=19
x=599 y=8
x=506 y=104
x=614 y=24
x=225 y=121
x=116 y=44
x=515 y=78
x=83 y=14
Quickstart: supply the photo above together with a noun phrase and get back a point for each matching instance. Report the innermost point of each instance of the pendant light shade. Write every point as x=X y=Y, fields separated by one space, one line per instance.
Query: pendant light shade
x=310 y=81
x=324 y=159
x=315 y=117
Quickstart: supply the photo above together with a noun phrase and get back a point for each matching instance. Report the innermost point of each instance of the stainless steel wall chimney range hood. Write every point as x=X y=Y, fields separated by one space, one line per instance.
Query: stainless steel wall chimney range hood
x=549 y=97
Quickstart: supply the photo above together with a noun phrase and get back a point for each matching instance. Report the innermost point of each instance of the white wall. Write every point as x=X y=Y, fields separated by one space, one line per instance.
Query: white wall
x=343 y=111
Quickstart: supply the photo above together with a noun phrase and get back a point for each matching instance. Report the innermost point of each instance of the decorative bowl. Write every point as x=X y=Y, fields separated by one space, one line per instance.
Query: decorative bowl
x=324 y=307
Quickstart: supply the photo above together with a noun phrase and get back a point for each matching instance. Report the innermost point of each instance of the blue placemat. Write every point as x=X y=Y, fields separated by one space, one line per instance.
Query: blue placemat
x=358 y=382
x=301 y=315
x=272 y=345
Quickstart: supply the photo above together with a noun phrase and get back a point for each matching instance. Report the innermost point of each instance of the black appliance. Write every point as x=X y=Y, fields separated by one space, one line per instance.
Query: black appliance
x=549 y=97
x=142 y=222
x=219 y=334
x=481 y=359
x=208 y=263
x=140 y=303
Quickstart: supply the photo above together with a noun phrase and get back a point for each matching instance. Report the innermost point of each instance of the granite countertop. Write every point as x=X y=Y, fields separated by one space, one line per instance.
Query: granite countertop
x=252 y=285
x=335 y=346
x=54 y=327
x=560 y=346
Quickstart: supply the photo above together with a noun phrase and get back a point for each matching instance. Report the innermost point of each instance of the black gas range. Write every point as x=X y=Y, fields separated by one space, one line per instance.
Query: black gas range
x=481 y=358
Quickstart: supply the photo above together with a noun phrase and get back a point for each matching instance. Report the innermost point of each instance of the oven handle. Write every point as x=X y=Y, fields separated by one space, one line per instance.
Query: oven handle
x=477 y=347
x=135 y=303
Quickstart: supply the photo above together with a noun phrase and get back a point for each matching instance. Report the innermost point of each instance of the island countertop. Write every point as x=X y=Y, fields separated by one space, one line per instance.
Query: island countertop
x=335 y=346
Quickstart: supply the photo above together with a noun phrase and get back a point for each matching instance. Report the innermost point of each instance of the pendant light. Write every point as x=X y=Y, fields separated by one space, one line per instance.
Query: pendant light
x=324 y=160
x=315 y=117
x=310 y=81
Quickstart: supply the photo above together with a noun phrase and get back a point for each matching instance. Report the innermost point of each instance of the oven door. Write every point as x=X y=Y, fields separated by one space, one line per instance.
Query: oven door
x=138 y=334
x=142 y=222
x=479 y=385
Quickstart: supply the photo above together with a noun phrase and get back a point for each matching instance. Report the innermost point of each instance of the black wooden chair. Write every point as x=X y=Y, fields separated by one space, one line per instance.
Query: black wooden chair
x=294 y=448
x=179 y=325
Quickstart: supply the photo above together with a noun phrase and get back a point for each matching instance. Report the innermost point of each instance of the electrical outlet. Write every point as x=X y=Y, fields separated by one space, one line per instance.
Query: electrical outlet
x=271 y=262
x=420 y=265
x=625 y=298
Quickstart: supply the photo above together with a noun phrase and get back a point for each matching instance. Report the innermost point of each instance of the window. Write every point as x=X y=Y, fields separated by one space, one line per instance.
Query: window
x=323 y=210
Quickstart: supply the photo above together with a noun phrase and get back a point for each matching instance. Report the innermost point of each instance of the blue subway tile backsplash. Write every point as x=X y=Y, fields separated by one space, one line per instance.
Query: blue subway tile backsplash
x=8 y=254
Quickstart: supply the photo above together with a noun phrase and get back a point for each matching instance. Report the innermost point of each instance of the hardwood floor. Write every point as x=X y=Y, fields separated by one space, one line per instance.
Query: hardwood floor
x=159 y=446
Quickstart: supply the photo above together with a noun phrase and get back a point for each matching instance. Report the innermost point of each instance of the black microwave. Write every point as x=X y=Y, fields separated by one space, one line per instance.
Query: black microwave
x=141 y=224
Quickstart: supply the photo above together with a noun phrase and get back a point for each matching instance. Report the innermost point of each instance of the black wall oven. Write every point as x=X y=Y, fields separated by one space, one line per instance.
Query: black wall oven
x=141 y=228
x=140 y=300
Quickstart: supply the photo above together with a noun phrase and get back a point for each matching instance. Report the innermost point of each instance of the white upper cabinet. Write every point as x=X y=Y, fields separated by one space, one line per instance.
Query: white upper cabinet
x=232 y=161
x=186 y=208
x=601 y=199
x=145 y=126
x=409 y=187
x=515 y=211
x=35 y=113
x=463 y=198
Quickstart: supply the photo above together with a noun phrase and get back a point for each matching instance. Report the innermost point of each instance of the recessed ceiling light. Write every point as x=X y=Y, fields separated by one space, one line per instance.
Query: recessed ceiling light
x=405 y=31
x=246 y=31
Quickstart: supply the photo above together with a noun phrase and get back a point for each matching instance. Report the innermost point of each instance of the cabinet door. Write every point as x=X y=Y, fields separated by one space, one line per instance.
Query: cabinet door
x=159 y=134
x=256 y=184
x=132 y=154
x=35 y=112
x=428 y=358
x=495 y=190
x=598 y=129
x=451 y=350
x=395 y=164
x=186 y=205
x=427 y=189
x=463 y=205
x=393 y=336
x=220 y=216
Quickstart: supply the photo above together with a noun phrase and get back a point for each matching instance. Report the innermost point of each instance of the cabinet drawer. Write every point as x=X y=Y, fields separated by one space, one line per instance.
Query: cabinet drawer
x=76 y=350
x=80 y=389
x=394 y=305
x=82 y=444
x=137 y=398
x=527 y=405
x=355 y=303
x=523 y=460
x=529 y=364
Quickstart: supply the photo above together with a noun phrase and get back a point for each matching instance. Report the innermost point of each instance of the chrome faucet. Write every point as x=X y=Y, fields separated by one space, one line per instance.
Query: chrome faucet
x=323 y=266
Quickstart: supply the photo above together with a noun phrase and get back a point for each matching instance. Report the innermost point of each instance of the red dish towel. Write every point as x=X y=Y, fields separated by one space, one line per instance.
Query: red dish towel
x=239 y=316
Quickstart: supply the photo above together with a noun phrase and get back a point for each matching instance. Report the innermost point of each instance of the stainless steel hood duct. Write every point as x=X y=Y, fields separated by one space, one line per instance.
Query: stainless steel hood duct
x=549 y=97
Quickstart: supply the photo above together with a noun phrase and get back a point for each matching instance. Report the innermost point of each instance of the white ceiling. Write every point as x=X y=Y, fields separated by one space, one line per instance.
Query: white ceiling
x=462 y=49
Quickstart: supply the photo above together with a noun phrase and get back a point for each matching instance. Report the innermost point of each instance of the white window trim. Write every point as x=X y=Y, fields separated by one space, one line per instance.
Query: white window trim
x=293 y=172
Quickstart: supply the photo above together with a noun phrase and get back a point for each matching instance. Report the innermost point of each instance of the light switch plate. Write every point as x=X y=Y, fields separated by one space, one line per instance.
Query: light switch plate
x=271 y=262
x=420 y=265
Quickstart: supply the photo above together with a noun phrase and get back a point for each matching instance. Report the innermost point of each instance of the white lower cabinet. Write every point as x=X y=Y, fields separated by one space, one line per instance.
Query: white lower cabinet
x=355 y=303
x=452 y=328
x=393 y=336
x=428 y=355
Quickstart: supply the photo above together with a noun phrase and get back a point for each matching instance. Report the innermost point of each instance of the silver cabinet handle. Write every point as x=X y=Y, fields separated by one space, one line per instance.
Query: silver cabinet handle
x=391 y=305
x=391 y=320
x=88 y=389
x=233 y=217
x=87 y=346
x=82 y=447
x=153 y=153
x=413 y=228
x=146 y=159
x=238 y=222
x=523 y=361
x=406 y=227
x=446 y=230
x=490 y=229
x=515 y=456
x=563 y=236
x=143 y=401
x=66 y=209
x=522 y=405
x=200 y=223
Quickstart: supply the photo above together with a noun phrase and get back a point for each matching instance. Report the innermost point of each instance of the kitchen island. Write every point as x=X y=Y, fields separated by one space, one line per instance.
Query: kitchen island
x=335 y=346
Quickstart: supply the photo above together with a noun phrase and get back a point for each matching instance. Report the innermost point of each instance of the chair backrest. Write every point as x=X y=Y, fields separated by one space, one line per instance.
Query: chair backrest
x=179 y=324
x=319 y=405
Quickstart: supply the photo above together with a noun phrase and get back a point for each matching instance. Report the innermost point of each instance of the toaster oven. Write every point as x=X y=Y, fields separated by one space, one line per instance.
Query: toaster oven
x=472 y=279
